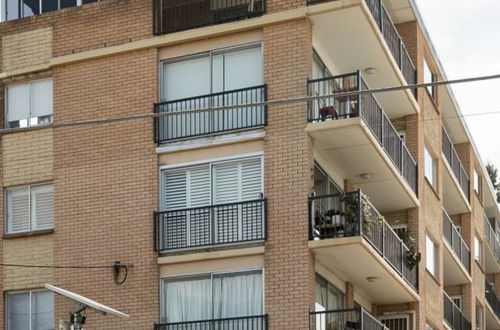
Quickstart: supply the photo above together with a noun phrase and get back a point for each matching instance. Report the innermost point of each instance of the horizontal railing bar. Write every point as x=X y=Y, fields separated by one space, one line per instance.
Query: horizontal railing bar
x=215 y=320
x=211 y=206
x=343 y=75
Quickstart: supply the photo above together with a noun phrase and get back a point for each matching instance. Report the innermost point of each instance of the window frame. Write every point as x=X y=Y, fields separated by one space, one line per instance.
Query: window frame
x=434 y=273
x=3 y=8
x=477 y=183
x=30 y=293
x=30 y=83
x=211 y=274
x=433 y=182
x=429 y=73
x=30 y=210
x=478 y=250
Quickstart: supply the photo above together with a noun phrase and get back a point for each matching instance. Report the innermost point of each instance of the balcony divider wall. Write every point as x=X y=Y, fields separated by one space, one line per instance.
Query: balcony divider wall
x=351 y=214
x=362 y=105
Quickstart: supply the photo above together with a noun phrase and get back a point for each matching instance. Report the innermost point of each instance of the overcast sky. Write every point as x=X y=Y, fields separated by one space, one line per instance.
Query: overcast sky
x=466 y=36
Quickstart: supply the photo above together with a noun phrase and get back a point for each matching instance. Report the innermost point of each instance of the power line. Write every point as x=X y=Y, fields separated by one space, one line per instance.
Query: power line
x=56 y=266
x=257 y=104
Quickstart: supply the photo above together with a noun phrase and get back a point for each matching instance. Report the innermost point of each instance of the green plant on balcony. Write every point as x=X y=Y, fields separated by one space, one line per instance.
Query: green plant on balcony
x=413 y=257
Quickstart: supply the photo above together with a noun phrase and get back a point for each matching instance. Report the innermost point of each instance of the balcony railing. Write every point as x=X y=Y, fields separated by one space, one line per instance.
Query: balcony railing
x=492 y=238
x=173 y=15
x=454 y=316
x=351 y=214
x=365 y=106
x=198 y=227
x=456 y=242
x=491 y=298
x=210 y=114
x=456 y=166
x=391 y=36
x=244 y=323
x=355 y=318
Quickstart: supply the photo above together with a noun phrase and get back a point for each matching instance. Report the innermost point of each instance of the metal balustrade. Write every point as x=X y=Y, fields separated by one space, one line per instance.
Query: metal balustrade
x=355 y=318
x=351 y=214
x=365 y=106
x=172 y=15
x=491 y=298
x=391 y=36
x=453 y=316
x=189 y=228
x=456 y=165
x=456 y=242
x=491 y=238
x=258 y=322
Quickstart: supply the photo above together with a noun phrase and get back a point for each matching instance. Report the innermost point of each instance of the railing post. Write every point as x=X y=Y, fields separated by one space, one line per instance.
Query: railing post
x=402 y=259
x=358 y=211
x=212 y=225
x=358 y=82
x=360 y=311
x=311 y=217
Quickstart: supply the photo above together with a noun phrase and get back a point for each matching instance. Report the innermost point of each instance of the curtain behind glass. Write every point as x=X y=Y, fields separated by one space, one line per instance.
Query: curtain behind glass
x=238 y=295
x=187 y=300
x=18 y=310
x=42 y=310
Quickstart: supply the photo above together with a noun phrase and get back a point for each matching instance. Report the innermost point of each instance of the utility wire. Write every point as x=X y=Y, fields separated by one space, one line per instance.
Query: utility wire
x=56 y=266
x=256 y=104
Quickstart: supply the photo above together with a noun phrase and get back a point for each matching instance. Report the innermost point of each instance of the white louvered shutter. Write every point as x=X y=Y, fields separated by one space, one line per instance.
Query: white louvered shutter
x=199 y=186
x=42 y=207
x=251 y=179
x=174 y=189
x=226 y=183
x=18 y=210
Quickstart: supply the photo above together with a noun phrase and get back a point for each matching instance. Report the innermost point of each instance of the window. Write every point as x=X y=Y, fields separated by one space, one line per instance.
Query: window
x=319 y=68
x=429 y=77
x=212 y=296
x=323 y=184
x=457 y=300
x=479 y=317
x=32 y=310
x=227 y=194
x=29 y=104
x=477 y=183
x=15 y=9
x=478 y=246
x=401 y=231
x=328 y=296
x=430 y=168
x=397 y=322
x=30 y=208
x=430 y=255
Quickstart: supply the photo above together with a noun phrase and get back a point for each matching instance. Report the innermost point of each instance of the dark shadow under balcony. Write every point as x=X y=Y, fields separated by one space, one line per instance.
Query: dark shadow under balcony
x=357 y=146
x=350 y=236
x=453 y=316
x=210 y=114
x=492 y=249
x=258 y=322
x=209 y=226
x=456 y=255
x=345 y=319
x=173 y=15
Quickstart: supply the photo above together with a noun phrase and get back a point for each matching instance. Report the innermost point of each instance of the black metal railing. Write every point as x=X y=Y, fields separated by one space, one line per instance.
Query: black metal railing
x=456 y=165
x=172 y=15
x=391 y=36
x=210 y=225
x=455 y=241
x=492 y=238
x=491 y=298
x=363 y=105
x=453 y=316
x=258 y=322
x=210 y=114
x=354 y=318
x=351 y=214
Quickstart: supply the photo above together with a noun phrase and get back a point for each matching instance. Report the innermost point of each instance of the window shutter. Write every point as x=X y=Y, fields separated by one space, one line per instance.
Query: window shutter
x=226 y=183
x=41 y=98
x=42 y=207
x=18 y=102
x=199 y=186
x=174 y=189
x=18 y=210
x=251 y=179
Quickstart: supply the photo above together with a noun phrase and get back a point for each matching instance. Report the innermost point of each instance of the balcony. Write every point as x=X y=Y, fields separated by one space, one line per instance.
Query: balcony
x=355 y=134
x=453 y=316
x=210 y=114
x=348 y=235
x=355 y=318
x=171 y=15
x=209 y=226
x=492 y=249
x=493 y=308
x=248 y=323
x=456 y=255
x=361 y=25
x=456 y=184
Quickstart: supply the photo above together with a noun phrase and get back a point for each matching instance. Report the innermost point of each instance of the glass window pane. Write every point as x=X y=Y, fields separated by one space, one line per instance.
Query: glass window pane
x=88 y=1
x=68 y=3
x=18 y=311
x=187 y=300
x=251 y=73
x=429 y=167
x=41 y=98
x=49 y=5
x=42 y=310
x=31 y=7
x=186 y=79
x=18 y=103
x=12 y=9
x=430 y=255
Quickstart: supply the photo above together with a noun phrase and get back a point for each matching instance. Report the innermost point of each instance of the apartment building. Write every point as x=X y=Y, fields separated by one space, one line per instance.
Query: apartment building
x=138 y=131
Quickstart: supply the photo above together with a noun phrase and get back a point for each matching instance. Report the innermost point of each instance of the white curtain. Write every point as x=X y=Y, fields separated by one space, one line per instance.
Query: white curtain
x=18 y=310
x=238 y=294
x=42 y=310
x=187 y=300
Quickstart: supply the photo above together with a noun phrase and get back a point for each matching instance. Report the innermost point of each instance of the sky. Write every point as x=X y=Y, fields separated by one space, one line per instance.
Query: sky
x=466 y=36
